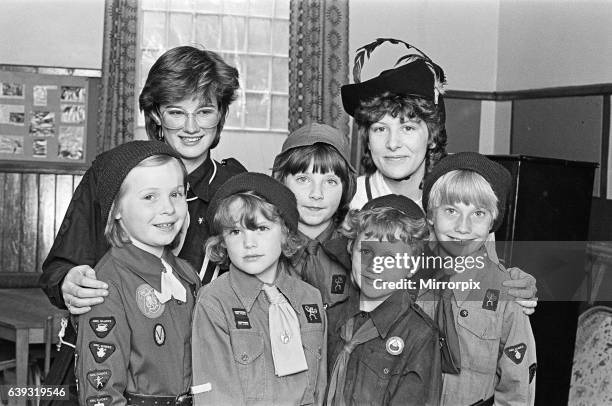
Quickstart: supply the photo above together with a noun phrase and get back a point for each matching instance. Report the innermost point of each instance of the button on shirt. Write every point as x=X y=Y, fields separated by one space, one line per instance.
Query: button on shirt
x=495 y=338
x=232 y=355
x=375 y=376
x=132 y=342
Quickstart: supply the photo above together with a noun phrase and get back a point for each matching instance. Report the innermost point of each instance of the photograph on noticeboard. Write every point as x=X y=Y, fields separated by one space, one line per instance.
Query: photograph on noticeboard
x=40 y=94
x=12 y=114
x=12 y=90
x=11 y=144
x=42 y=124
x=73 y=94
x=39 y=148
x=70 y=143
x=73 y=113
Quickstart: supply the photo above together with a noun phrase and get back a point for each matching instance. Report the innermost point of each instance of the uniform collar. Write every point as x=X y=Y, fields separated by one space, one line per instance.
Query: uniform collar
x=248 y=287
x=385 y=315
x=199 y=180
x=321 y=238
x=475 y=274
x=147 y=266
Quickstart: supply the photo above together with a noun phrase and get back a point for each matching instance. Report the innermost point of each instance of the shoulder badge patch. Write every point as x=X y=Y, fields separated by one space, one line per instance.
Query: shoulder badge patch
x=241 y=318
x=311 y=311
x=490 y=300
x=99 y=401
x=159 y=334
x=101 y=351
x=98 y=378
x=532 y=371
x=395 y=345
x=338 y=282
x=101 y=326
x=147 y=301
x=516 y=352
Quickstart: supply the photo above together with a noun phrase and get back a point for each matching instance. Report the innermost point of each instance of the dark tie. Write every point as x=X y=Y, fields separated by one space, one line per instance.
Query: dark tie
x=449 y=341
x=367 y=332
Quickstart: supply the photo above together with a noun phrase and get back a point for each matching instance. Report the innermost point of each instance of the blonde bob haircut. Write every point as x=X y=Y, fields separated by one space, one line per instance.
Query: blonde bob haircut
x=113 y=231
x=467 y=187
x=251 y=204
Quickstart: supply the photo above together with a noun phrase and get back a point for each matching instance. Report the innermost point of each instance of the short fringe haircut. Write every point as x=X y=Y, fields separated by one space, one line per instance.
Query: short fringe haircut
x=406 y=108
x=467 y=187
x=251 y=205
x=386 y=222
x=324 y=158
x=113 y=231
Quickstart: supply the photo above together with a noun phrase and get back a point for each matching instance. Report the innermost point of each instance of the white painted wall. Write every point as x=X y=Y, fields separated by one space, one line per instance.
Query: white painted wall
x=459 y=35
x=551 y=43
x=57 y=33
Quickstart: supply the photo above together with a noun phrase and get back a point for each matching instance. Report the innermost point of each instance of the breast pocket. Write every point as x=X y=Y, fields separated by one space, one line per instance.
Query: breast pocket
x=375 y=370
x=248 y=348
x=312 y=341
x=479 y=335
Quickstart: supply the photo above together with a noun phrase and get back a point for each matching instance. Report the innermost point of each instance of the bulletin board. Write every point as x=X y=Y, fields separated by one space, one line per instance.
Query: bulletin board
x=47 y=119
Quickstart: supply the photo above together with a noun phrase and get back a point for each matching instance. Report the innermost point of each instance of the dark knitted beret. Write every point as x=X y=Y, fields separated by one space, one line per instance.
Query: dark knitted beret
x=270 y=189
x=399 y=202
x=313 y=133
x=114 y=165
x=498 y=177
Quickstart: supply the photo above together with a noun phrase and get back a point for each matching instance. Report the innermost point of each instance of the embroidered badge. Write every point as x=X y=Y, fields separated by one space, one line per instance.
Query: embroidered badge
x=395 y=345
x=532 y=371
x=101 y=351
x=99 y=401
x=101 y=326
x=99 y=378
x=490 y=300
x=148 y=303
x=312 y=313
x=159 y=334
x=241 y=317
x=338 y=282
x=516 y=352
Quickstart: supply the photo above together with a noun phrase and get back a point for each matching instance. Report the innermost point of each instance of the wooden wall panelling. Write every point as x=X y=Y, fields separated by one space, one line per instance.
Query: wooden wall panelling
x=46 y=216
x=11 y=238
x=28 y=249
x=76 y=181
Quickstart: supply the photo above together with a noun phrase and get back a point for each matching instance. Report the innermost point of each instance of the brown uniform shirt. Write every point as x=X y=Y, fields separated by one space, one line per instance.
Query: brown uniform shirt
x=495 y=339
x=402 y=366
x=132 y=342
x=232 y=355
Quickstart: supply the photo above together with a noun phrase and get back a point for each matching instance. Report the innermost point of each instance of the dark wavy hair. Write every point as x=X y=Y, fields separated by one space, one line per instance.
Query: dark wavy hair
x=184 y=71
x=407 y=107
x=325 y=158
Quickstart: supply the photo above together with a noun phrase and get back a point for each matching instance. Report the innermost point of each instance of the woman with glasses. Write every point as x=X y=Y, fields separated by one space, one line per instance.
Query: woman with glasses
x=185 y=101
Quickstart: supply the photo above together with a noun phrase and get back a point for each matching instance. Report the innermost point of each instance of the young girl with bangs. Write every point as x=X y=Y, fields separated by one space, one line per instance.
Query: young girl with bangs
x=314 y=165
x=259 y=333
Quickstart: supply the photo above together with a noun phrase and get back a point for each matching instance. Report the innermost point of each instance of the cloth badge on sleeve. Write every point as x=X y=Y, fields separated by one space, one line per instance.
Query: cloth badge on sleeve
x=241 y=318
x=338 y=283
x=99 y=378
x=101 y=326
x=516 y=352
x=395 y=345
x=490 y=300
x=159 y=334
x=99 y=401
x=148 y=303
x=101 y=351
x=532 y=371
x=311 y=311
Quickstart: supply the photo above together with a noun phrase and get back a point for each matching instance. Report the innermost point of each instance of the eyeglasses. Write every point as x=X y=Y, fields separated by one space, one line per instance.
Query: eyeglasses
x=175 y=118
